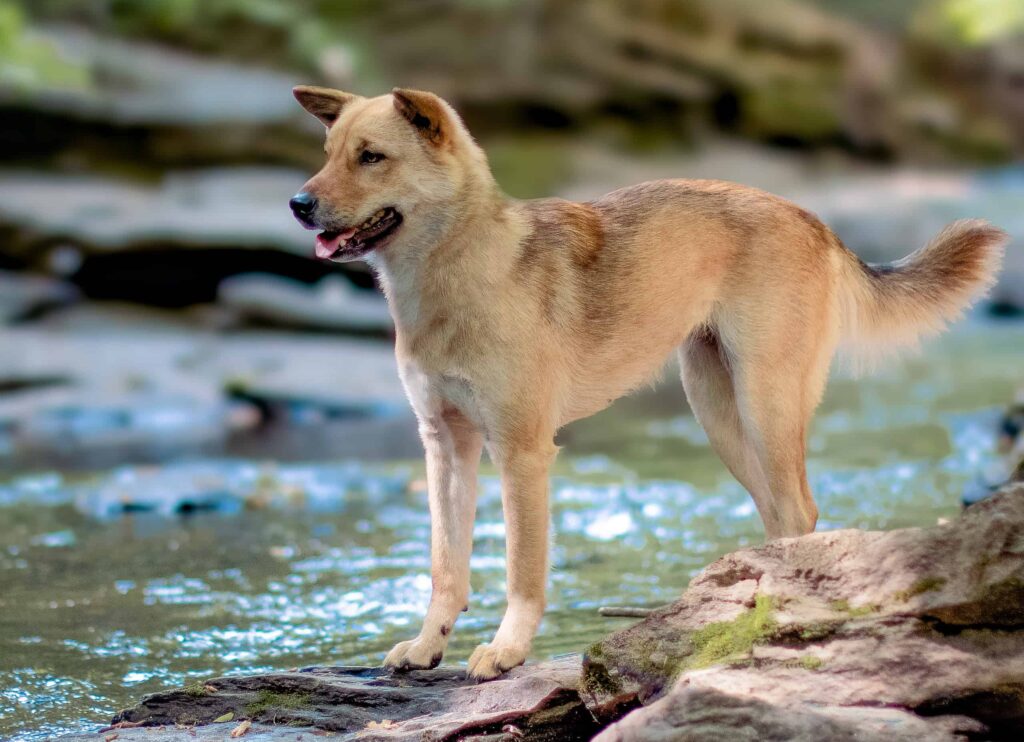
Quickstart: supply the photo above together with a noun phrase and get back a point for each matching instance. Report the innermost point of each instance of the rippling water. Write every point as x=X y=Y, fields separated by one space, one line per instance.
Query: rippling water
x=313 y=563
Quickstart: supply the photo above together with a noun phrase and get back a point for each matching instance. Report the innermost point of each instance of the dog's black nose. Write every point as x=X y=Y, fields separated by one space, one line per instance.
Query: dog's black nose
x=303 y=205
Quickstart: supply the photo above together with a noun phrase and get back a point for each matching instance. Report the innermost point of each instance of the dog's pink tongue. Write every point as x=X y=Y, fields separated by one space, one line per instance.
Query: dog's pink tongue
x=326 y=246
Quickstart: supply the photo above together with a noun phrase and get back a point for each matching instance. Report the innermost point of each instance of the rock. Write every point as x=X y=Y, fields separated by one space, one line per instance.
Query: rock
x=330 y=304
x=1011 y=433
x=174 y=241
x=25 y=296
x=1009 y=467
x=154 y=388
x=242 y=206
x=360 y=703
x=166 y=107
x=923 y=623
x=707 y=715
x=229 y=486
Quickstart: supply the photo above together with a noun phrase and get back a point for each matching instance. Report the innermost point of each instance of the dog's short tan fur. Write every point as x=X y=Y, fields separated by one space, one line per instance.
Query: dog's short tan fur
x=516 y=317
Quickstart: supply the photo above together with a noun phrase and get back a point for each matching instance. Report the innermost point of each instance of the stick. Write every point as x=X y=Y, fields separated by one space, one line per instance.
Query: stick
x=624 y=611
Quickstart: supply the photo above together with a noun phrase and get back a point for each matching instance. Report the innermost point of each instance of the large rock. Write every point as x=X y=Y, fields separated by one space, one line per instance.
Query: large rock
x=907 y=634
x=162 y=106
x=540 y=702
x=154 y=388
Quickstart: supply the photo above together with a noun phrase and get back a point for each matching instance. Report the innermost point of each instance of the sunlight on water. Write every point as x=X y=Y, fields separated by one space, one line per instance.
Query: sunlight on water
x=123 y=583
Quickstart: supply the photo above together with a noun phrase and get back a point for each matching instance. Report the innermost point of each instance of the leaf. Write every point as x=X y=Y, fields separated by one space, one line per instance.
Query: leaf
x=241 y=729
x=210 y=688
x=111 y=737
x=226 y=717
x=386 y=724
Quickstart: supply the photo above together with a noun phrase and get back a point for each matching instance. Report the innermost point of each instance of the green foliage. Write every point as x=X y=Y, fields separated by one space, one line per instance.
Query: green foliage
x=28 y=63
x=976 y=22
x=292 y=33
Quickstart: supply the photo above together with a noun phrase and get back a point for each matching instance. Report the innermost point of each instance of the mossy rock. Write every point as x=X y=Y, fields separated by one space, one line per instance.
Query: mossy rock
x=609 y=669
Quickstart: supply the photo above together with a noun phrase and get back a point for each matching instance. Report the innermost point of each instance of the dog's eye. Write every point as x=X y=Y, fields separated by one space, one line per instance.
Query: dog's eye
x=366 y=157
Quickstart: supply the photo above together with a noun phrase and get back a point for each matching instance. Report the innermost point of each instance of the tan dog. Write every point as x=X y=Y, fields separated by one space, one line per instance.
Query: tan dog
x=516 y=317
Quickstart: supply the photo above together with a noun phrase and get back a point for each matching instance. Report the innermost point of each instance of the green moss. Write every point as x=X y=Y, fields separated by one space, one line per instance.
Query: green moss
x=268 y=700
x=924 y=585
x=717 y=641
x=810 y=662
x=196 y=690
x=596 y=678
x=791 y=106
x=843 y=606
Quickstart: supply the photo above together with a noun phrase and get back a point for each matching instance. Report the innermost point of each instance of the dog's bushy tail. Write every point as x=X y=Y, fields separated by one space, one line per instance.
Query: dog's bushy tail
x=886 y=307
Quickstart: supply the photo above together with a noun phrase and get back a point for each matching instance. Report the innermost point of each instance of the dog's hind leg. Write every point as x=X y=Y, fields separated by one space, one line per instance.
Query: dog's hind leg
x=453 y=447
x=778 y=378
x=708 y=384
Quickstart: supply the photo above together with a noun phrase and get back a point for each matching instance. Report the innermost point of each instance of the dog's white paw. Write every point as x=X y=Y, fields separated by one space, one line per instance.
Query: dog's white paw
x=491 y=660
x=415 y=654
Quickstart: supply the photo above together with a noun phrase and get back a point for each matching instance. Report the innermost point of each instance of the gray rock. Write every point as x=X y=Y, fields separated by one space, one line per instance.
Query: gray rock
x=23 y=296
x=142 y=83
x=707 y=715
x=153 y=388
x=228 y=486
x=168 y=107
x=540 y=701
x=927 y=621
x=241 y=206
x=330 y=304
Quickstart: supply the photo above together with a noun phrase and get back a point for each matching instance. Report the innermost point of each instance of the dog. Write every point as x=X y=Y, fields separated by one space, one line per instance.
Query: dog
x=515 y=317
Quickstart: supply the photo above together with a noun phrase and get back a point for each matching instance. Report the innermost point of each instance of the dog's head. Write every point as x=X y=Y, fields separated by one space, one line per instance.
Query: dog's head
x=395 y=166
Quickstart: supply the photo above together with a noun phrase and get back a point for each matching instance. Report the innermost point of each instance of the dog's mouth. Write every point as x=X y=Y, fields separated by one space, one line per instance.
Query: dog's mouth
x=355 y=241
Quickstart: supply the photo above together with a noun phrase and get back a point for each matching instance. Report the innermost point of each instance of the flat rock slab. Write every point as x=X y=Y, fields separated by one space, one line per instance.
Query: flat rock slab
x=153 y=388
x=240 y=206
x=538 y=701
x=134 y=82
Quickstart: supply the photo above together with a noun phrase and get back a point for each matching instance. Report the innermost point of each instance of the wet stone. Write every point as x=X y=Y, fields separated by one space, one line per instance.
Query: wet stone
x=540 y=701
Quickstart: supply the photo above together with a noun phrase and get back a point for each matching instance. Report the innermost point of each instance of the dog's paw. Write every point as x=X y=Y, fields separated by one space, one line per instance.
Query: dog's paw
x=415 y=654
x=491 y=660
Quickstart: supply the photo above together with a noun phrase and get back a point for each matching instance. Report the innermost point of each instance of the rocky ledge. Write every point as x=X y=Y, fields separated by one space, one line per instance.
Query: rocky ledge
x=914 y=634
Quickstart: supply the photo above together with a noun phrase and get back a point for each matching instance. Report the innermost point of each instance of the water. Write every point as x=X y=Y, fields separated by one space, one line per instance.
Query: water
x=309 y=563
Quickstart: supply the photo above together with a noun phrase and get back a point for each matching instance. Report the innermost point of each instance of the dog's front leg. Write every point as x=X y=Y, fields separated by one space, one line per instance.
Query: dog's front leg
x=453 y=449
x=524 y=494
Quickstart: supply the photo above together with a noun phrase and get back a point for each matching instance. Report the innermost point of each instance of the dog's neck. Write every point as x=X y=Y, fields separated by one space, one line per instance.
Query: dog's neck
x=447 y=257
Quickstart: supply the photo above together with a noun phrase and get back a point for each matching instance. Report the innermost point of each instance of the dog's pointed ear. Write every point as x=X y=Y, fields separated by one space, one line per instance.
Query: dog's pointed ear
x=324 y=103
x=431 y=116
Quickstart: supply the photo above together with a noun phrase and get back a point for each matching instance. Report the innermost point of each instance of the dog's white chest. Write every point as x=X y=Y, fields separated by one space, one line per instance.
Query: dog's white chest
x=430 y=393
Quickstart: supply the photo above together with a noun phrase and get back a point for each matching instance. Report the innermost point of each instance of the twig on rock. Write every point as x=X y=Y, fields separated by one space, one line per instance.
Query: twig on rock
x=624 y=611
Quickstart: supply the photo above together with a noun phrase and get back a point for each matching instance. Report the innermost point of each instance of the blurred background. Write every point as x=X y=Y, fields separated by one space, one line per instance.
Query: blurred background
x=207 y=464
